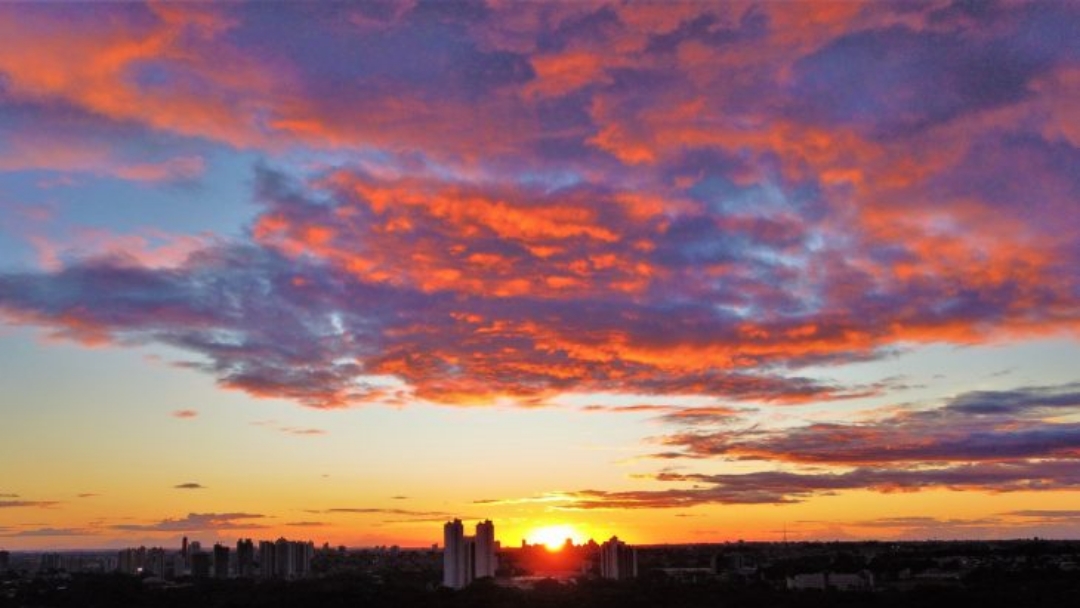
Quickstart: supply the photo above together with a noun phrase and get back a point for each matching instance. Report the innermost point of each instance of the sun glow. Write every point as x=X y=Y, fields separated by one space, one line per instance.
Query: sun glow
x=554 y=537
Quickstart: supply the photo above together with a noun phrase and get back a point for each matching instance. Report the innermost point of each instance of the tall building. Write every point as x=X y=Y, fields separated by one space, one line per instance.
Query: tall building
x=283 y=563
x=155 y=562
x=267 y=562
x=283 y=558
x=245 y=558
x=454 y=554
x=200 y=564
x=5 y=561
x=221 y=561
x=484 y=563
x=49 y=561
x=617 y=560
x=131 y=560
x=467 y=558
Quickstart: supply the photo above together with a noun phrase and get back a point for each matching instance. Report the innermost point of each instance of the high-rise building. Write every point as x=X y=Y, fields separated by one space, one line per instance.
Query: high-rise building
x=302 y=555
x=279 y=559
x=245 y=558
x=467 y=558
x=200 y=564
x=155 y=562
x=221 y=561
x=454 y=555
x=5 y=561
x=617 y=560
x=484 y=563
x=131 y=560
x=283 y=563
x=49 y=561
x=267 y=561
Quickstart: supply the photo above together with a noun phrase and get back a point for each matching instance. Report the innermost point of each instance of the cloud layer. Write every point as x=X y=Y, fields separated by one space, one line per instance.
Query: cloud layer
x=669 y=200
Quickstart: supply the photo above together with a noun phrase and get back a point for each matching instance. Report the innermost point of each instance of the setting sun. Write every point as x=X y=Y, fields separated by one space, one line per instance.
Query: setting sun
x=553 y=537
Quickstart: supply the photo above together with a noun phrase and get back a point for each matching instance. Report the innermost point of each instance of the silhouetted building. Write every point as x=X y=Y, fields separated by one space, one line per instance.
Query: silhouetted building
x=617 y=560
x=484 y=561
x=221 y=561
x=299 y=559
x=285 y=559
x=282 y=562
x=454 y=555
x=467 y=558
x=267 y=561
x=154 y=563
x=49 y=561
x=175 y=566
x=200 y=564
x=5 y=561
x=131 y=561
x=245 y=558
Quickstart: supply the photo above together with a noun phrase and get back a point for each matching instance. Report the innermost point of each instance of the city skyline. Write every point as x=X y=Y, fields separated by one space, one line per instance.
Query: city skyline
x=677 y=272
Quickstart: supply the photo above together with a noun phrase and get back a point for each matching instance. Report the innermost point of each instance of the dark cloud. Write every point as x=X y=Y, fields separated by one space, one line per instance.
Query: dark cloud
x=15 y=504
x=991 y=426
x=189 y=486
x=198 y=521
x=780 y=487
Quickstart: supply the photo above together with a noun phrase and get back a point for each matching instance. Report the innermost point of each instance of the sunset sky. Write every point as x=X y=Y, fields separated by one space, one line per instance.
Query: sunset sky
x=681 y=272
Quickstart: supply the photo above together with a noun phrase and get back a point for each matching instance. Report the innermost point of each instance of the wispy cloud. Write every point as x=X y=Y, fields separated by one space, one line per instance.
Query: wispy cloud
x=185 y=414
x=288 y=430
x=16 y=504
x=33 y=532
x=381 y=511
x=191 y=485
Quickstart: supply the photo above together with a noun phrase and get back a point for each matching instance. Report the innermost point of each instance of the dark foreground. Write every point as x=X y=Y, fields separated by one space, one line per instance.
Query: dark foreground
x=1006 y=574
x=117 y=590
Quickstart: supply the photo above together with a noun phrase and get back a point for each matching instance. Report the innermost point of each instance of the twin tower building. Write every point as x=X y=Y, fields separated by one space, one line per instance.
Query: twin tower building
x=467 y=558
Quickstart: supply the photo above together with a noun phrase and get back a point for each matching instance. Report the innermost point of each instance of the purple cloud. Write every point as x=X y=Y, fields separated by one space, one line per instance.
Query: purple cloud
x=779 y=487
x=686 y=200
x=987 y=426
x=198 y=521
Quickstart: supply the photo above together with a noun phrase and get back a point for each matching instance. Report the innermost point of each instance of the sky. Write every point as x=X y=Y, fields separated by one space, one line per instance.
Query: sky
x=681 y=272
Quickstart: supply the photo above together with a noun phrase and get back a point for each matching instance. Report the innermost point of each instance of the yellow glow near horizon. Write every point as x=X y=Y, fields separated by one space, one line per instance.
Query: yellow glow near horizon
x=553 y=537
